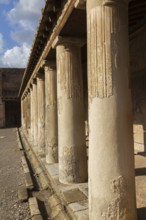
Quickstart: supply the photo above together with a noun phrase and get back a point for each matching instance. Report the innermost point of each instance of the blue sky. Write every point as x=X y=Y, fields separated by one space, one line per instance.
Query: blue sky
x=18 y=22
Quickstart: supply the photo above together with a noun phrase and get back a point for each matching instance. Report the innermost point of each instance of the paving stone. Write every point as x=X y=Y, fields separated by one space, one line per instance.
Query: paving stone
x=53 y=169
x=33 y=205
x=79 y=206
x=74 y=195
x=56 y=210
x=61 y=216
x=28 y=181
x=82 y=215
x=53 y=201
x=37 y=217
x=22 y=193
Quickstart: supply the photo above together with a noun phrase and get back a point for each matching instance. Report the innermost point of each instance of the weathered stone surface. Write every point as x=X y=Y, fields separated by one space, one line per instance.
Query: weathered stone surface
x=51 y=126
x=37 y=217
x=72 y=150
x=22 y=194
x=33 y=205
x=31 y=114
x=41 y=114
x=74 y=195
x=28 y=181
x=35 y=115
x=111 y=160
x=53 y=201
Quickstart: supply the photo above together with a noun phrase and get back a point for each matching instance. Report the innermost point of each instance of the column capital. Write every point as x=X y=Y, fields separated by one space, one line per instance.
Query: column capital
x=68 y=41
x=111 y=2
x=40 y=76
x=34 y=81
x=50 y=65
x=80 y=4
x=91 y=3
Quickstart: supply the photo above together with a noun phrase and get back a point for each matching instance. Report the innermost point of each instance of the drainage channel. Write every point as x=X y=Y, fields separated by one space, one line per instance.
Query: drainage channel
x=34 y=192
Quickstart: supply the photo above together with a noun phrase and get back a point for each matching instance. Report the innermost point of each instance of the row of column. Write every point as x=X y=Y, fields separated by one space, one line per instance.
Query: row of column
x=57 y=112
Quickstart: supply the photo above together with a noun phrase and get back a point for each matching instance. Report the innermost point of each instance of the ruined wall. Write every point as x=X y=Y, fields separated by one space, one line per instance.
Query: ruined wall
x=138 y=74
x=10 y=80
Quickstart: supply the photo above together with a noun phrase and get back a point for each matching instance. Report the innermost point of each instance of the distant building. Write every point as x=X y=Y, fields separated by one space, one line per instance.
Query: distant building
x=10 y=81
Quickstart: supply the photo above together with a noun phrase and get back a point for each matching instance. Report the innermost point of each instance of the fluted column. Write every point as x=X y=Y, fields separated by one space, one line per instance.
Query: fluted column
x=31 y=115
x=111 y=155
x=41 y=114
x=35 y=115
x=28 y=112
x=71 y=132
x=22 y=112
x=51 y=127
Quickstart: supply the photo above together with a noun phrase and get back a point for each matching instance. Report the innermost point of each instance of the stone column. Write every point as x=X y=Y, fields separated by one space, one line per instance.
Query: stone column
x=41 y=114
x=72 y=149
x=22 y=112
x=111 y=155
x=35 y=115
x=2 y=106
x=24 y=108
x=28 y=112
x=51 y=127
x=31 y=115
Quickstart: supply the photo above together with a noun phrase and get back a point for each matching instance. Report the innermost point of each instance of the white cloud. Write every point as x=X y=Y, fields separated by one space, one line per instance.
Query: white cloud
x=23 y=18
x=15 y=57
x=1 y=43
x=22 y=36
x=26 y=13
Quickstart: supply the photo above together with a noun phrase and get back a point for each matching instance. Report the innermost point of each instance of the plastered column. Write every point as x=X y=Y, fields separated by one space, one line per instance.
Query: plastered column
x=35 y=114
x=71 y=132
x=41 y=114
x=22 y=112
x=31 y=115
x=24 y=107
x=51 y=127
x=111 y=156
x=28 y=112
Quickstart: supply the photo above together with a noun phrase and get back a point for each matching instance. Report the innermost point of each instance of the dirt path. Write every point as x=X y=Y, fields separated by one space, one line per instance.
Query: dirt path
x=11 y=177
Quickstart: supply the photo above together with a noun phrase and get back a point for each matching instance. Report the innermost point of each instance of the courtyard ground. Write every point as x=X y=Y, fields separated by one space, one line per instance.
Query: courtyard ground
x=12 y=176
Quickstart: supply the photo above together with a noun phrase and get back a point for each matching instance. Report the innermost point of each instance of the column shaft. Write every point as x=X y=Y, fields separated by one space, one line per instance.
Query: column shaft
x=32 y=115
x=51 y=127
x=35 y=115
x=72 y=148
x=111 y=156
x=41 y=114
x=22 y=113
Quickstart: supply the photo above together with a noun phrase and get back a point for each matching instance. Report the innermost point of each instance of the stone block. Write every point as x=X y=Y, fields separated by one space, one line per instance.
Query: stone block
x=22 y=194
x=56 y=210
x=37 y=217
x=33 y=205
x=53 y=201
x=74 y=195
x=53 y=169
x=78 y=206
x=28 y=181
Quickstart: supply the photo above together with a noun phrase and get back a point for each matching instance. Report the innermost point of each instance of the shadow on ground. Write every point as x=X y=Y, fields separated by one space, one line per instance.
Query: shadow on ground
x=140 y=171
x=141 y=213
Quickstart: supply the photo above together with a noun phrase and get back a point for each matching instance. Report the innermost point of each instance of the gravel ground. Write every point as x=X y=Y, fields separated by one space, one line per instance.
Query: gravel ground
x=11 y=177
